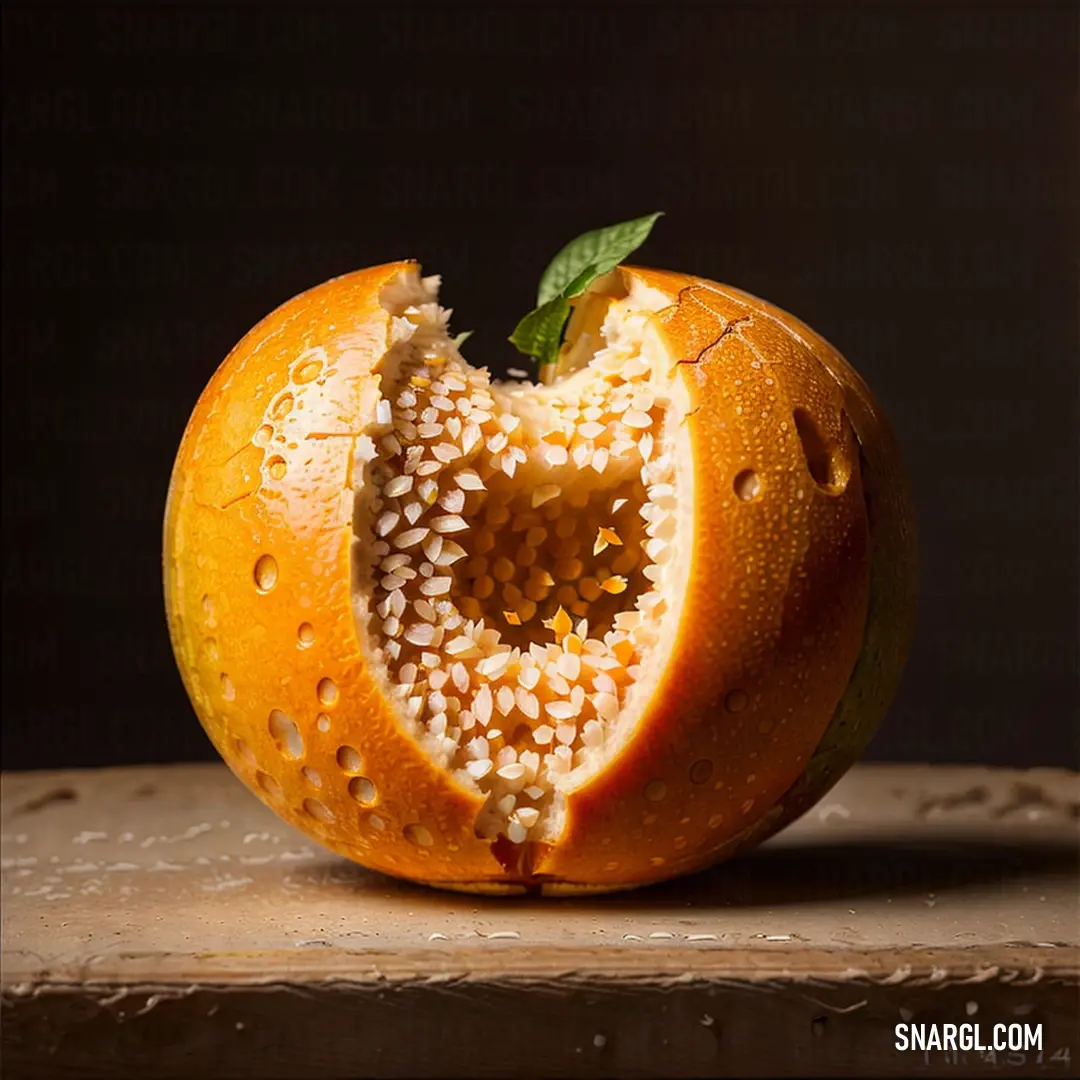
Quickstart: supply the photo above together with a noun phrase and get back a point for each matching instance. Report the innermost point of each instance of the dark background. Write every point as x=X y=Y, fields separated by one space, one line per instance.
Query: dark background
x=902 y=178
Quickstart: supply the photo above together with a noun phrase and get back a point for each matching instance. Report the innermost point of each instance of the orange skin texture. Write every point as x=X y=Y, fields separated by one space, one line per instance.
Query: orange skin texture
x=731 y=745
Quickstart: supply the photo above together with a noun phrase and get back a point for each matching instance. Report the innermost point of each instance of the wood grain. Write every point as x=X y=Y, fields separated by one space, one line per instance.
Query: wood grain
x=163 y=923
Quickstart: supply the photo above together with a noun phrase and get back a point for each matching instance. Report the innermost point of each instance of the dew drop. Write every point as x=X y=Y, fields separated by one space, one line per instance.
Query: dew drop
x=655 y=790
x=701 y=771
x=736 y=701
x=417 y=834
x=286 y=733
x=319 y=811
x=348 y=759
x=327 y=691
x=282 y=407
x=364 y=791
x=244 y=752
x=747 y=485
x=306 y=371
x=266 y=573
x=268 y=784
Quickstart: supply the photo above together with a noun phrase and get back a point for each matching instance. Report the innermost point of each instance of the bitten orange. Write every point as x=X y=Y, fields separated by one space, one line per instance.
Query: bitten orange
x=506 y=637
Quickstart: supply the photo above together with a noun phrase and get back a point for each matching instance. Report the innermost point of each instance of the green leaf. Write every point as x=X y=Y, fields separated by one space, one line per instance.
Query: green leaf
x=591 y=255
x=539 y=334
x=461 y=338
x=571 y=272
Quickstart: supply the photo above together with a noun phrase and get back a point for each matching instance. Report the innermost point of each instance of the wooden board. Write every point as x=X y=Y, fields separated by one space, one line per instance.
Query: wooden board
x=160 y=922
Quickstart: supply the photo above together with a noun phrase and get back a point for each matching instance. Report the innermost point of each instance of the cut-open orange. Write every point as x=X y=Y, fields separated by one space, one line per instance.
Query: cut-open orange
x=509 y=637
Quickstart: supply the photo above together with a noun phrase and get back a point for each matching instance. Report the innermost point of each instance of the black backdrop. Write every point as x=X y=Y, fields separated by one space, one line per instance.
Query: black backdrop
x=903 y=178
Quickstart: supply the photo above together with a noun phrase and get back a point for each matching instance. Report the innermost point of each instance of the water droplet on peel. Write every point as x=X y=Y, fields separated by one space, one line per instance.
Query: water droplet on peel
x=348 y=759
x=319 y=811
x=284 y=730
x=700 y=771
x=266 y=573
x=747 y=485
x=268 y=784
x=363 y=790
x=306 y=371
x=417 y=834
x=736 y=701
x=655 y=790
x=282 y=407
x=327 y=691
x=244 y=752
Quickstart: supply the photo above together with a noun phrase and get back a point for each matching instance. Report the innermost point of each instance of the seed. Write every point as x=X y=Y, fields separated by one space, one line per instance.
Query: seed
x=504 y=699
x=527 y=703
x=482 y=705
x=614 y=585
x=387 y=522
x=433 y=546
x=449 y=523
x=559 y=710
x=514 y=771
x=469 y=480
x=543 y=735
x=635 y=418
x=436 y=586
x=480 y=768
x=512 y=618
x=410 y=538
x=428 y=490
x=569 y=665
x=420 y=634
x=450 y=554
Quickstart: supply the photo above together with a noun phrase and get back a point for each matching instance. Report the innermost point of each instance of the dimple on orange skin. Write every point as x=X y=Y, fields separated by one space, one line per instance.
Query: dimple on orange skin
x=258 y=532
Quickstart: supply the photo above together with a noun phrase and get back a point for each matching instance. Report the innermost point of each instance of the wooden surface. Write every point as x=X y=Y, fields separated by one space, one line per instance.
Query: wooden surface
x=163 y=923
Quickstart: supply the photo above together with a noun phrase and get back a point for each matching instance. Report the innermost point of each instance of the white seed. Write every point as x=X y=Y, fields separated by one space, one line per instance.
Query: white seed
x=543 y=735
x=410 y=538
x=482 y=705
x=399 y=485
x=513 y=771
x=569 y=666
x=453 y=501
x=449 y=523
x=413 y=512
x=527 y=703
x=504 y=700
x=436 y=586
x=387 y=522
x=528 y=816
x=420 y=634
x=469 y=480
x=566 y=733
x=516 y=833
x=480 y=768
